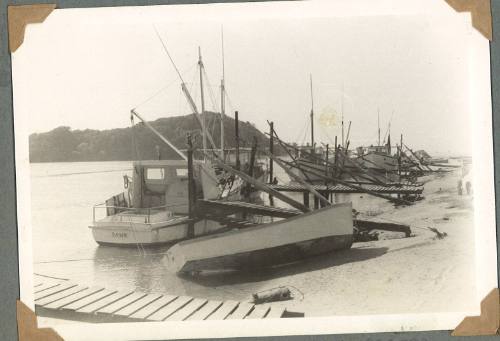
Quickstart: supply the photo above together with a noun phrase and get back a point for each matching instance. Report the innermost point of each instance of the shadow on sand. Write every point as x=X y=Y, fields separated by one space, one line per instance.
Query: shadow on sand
x=325 y=261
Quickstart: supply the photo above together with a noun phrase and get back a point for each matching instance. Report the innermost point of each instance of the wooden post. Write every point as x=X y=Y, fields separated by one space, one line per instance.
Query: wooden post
x=316 y=203
x=271 y=164
x=271 y=150
x=248 y=186
x=326 y=158
x=158 y=153
x=191 y=189
x=335 y=160
x=237 y=137
x=306 y=198
x=325 y=194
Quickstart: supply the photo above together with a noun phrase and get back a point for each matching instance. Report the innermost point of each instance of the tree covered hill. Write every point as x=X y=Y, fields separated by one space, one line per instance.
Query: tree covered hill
x=63 y=144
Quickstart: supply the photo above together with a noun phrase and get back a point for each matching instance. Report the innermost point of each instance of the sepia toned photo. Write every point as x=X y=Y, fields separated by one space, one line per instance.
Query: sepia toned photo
x=208 y=163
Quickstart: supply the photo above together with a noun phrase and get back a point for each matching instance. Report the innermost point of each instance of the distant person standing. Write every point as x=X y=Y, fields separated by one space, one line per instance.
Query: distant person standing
x=468 y=187
x=459 y=187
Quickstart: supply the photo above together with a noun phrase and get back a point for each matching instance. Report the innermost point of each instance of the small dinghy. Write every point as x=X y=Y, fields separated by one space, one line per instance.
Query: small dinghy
x=285 y=241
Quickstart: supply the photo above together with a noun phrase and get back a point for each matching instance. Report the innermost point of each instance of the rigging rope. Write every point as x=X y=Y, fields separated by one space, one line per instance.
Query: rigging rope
x=210 y=91
x=163 y=88
x=168 y=54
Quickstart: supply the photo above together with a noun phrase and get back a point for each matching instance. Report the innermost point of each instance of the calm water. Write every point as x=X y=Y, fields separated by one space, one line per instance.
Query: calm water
x=62 y=198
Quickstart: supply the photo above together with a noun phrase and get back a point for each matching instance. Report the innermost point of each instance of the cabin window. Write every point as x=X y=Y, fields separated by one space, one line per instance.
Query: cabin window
x=155 y=174
x=182 y=172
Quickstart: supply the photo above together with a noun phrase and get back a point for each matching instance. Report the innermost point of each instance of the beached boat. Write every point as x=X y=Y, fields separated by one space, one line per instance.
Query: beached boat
x=284 y=241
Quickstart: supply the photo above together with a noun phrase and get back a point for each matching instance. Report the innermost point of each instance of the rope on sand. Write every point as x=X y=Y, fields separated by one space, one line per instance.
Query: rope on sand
x=46 y=276
x=439 y=234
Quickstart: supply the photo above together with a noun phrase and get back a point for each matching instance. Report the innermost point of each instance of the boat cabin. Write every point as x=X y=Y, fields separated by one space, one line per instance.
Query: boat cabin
x=385 y=149
x=160 y=183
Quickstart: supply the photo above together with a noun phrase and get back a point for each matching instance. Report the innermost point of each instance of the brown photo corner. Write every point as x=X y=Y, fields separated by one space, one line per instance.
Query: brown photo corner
x=488 y=323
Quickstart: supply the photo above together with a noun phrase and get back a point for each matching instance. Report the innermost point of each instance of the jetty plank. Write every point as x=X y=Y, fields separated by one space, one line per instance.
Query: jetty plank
x=73 y=298
x=258 y=312
x=205 y=311
x=137 y=305
x=54 y=290
x=44 y=286
x=94 y=307
x=187 y=310
x=241 y=312
x=89 y=299
x=83 y=303
x=153 y=307
x=340 y=188
x=165 y=312
x=226 y=309
x=275 y=312
x=60 y=295
x=115 y=306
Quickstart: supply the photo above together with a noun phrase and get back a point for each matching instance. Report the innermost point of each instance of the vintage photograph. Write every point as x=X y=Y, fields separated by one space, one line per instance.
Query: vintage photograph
x=207 y=163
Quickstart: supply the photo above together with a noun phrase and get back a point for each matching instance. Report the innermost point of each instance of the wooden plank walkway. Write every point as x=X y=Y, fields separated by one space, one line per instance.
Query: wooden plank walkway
x=70 y=301
x=339 y=188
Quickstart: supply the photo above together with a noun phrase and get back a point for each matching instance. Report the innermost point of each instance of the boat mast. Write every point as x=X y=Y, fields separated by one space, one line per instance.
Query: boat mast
x=157 y=133
x=185 y=90
x=312 y=113
x=222 y=100
x=378 y=124
x=342 y=112
x=203 y=113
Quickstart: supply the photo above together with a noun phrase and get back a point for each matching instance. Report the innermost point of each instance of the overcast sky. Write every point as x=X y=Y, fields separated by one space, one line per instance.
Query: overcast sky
x=88 y=68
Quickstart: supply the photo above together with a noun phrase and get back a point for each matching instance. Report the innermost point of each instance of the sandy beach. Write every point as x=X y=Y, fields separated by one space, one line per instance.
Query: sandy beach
x=394 y=274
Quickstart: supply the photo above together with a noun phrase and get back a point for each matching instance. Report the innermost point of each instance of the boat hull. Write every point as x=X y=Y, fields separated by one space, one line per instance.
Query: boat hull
x=282 y=254
x=148 y=234
x=285 y=241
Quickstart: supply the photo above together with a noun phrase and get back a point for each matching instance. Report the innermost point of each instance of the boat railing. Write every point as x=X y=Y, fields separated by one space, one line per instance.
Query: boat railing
x=140 y=212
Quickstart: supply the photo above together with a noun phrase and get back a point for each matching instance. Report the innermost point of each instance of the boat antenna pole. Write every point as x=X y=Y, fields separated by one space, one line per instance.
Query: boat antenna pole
x=378 y=124
x=348 y=133
x=202 y=95
x=342 y=113
x=312 y=112
x=222 y=99
x=388 y=131
x=157 y=133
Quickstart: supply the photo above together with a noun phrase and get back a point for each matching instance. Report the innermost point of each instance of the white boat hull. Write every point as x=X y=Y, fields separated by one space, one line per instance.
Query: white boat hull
x=289 y=240
x=148 y=234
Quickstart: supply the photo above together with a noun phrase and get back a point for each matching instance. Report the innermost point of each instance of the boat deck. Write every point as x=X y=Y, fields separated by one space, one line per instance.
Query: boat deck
x=230 y=207
x=70 y=301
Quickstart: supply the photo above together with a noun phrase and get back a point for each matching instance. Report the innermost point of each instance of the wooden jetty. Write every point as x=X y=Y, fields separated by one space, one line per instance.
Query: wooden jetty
x=70 y=301
x=363 y=188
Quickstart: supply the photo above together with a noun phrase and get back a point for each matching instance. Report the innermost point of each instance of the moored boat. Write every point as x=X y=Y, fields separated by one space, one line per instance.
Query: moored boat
x=154 y=208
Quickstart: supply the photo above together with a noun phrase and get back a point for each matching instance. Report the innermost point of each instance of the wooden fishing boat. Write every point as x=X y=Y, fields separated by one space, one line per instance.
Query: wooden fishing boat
x=154 y=208
x=284 y=241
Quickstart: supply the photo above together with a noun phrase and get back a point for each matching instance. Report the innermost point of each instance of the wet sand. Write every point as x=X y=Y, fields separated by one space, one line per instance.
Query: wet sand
x=391 y=275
